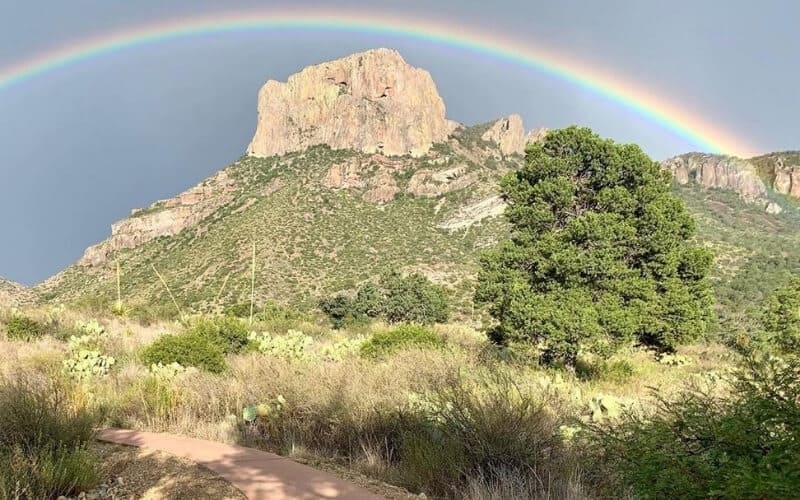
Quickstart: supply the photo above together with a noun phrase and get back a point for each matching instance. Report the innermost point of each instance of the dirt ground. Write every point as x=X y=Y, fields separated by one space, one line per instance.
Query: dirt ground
x=154 y=475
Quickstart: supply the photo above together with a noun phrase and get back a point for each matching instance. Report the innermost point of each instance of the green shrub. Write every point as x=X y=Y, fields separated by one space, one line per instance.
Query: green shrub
x=414 y=299
x=338 y=308
x=188 y=349
x=230 y=334
x=239 y=310
x=601 y=369
x=399 y=299
x=402 y=337
x=23 y=328
x=43 y=440
x=742 y=442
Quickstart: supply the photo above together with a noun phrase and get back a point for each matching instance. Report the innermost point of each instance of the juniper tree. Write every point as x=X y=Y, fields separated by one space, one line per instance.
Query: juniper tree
x=600 y=253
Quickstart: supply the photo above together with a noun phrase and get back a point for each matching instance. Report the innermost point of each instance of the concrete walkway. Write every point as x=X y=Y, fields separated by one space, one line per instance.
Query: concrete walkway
x=258 y=474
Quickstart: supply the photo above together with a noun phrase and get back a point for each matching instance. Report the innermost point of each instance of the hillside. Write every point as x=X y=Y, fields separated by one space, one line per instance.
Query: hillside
x=13 y=294
x=316 y=219
x=322 y=221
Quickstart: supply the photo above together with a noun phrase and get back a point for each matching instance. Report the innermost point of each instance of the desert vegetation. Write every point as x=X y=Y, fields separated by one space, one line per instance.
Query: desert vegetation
x=594 y=367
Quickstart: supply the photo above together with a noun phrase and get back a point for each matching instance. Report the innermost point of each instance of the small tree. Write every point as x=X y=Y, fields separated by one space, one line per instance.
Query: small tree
x=338 y=308
x=600 y=253
x=414 y=299
x=781 y=317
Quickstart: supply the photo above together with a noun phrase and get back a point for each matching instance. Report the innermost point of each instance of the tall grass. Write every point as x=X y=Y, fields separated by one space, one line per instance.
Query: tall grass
x=43 y=440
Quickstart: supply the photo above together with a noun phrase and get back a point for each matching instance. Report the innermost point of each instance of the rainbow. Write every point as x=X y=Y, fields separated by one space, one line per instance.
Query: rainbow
x=667 y=114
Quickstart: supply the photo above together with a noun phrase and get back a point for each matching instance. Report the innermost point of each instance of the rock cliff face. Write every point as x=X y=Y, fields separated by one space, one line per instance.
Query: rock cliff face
x=163 y=218
x=373 y=102
x=783 y=169
x=720 y=172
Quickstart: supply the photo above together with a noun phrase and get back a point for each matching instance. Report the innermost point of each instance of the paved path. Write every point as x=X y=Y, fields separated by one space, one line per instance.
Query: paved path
x=258 y=474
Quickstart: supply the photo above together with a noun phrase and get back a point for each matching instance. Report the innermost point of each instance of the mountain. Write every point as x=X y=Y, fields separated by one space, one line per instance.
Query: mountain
x=354 y=170
x=13 y=294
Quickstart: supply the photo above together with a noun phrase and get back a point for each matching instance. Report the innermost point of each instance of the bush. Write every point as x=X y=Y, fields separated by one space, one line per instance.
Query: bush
x=410 y=299
x=43 y=441
x=414 y=299
x=23 y=328
x=338 y=308
x=188 y=349
x=744 y=443
x=230 y=334
x=402 y=337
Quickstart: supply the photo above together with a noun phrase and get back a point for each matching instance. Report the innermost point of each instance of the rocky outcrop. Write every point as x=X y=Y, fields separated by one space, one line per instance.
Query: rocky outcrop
x=536 y=135
x=372 y=102
x=13 y=294
x=163 y=218
x=509 y=135
x=490 y=207
x=719 y=172
x=783 y=169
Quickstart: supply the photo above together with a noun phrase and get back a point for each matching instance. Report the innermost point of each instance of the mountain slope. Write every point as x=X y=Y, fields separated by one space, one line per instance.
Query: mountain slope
x=322 y=221
x=13 y=294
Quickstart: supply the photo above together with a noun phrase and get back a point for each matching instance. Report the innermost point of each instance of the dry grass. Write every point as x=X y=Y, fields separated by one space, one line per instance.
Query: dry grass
x=356 y=414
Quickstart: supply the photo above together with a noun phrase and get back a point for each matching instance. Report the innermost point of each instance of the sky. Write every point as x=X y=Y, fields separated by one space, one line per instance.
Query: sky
x=83 y=144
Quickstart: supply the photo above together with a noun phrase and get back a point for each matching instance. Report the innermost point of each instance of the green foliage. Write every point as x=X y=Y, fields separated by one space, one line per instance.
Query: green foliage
x=43 y=440
x=188 y=349
x=293 y=345
x=414 y=299
x=338 y=308
x=229 y=333
x=369 y=302
x=20 y=327
x=399 y=299
x=402 y=337
x=241 y=310
x=599 y=254
x=743 y=442
x=781 y=318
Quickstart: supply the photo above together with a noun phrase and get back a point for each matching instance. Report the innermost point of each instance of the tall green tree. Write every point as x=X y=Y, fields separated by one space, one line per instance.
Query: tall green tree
x=781 y=317
x=600 y=253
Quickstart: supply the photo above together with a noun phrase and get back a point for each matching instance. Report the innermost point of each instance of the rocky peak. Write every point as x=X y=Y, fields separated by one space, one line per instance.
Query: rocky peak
x=721 y=172
x=372 y=102
x=509 y=135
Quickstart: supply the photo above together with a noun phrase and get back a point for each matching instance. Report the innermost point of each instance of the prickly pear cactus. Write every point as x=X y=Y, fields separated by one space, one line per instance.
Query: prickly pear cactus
x=87 y=364
x=602 y=408
x=293 y=345
x=674 y=360
x=250 y=413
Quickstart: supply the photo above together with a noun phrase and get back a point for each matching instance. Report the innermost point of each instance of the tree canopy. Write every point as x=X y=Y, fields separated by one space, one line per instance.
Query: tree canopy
x=600 y=253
